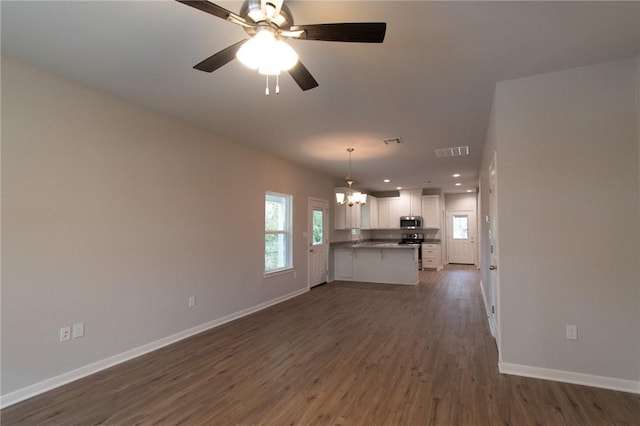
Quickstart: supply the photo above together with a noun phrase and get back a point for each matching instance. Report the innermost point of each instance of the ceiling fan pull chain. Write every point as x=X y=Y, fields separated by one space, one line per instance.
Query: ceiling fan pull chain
x=266 y=90
x=277 y=84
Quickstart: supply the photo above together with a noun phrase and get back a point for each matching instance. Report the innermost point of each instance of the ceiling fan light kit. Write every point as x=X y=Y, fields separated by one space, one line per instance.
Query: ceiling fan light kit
x=266 y=54
x=269 y=23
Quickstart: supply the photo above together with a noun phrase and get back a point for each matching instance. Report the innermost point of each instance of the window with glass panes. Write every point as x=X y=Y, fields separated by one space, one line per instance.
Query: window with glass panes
x=277 y=232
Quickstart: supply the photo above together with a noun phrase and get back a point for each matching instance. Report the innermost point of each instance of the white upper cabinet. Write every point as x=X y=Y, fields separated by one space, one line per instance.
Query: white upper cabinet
x=369 y=214
x=431 y=211
x=411 y=203
x=395 y=212
x=346 y=217
x=389 y=213
x=385 y=212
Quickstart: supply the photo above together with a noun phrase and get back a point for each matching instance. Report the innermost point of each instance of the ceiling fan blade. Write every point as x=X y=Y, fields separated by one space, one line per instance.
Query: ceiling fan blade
x=214 y=9
x=303 y=77
x=221 y=58
x=355 y=32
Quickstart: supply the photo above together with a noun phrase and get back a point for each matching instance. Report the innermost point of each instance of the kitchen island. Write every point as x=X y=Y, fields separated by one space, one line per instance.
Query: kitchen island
x=376 y=262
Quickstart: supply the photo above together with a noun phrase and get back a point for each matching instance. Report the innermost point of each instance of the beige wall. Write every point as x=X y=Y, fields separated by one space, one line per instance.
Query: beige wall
x=114 y=215
x=455 y=202
x=568 y=202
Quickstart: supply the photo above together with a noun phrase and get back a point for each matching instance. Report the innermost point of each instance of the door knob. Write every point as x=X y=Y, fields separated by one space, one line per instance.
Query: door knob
x=493 y=267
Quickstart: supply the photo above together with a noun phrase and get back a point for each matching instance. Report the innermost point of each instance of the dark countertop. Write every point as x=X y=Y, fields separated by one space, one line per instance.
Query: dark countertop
x=379 y=244
x=374 y=245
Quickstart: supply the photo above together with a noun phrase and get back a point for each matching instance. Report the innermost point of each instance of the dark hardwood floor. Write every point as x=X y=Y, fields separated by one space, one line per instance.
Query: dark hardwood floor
x=342 y=354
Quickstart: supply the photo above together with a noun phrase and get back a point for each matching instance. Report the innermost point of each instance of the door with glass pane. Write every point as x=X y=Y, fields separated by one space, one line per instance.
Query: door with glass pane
x=318 y=240
x=461 y=229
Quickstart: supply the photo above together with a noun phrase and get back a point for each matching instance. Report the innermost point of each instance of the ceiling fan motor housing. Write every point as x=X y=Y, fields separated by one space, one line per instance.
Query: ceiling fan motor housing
x=251 y=10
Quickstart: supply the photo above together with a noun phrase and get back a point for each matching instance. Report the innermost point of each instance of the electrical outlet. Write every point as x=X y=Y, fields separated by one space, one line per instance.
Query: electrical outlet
x=572 y=332
x=77 y=330
x=192 y=301
x=65 y=333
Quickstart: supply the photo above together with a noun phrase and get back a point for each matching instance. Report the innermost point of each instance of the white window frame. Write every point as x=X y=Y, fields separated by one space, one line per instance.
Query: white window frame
x=287 y=231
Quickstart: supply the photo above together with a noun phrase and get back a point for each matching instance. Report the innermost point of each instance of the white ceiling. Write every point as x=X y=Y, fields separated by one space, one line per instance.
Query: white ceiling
x=431 y=82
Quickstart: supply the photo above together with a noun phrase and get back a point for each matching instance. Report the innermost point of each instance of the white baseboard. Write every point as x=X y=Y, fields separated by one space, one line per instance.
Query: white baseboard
x=493 y=327
x=73 y=375
x=570 y=377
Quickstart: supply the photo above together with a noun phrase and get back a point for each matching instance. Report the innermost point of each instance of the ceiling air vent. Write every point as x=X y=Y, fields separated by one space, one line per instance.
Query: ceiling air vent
x=455 y=151
x=392 y=141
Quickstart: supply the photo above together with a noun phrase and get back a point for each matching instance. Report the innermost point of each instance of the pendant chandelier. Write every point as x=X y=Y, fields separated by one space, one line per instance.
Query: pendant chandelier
x=350 y=198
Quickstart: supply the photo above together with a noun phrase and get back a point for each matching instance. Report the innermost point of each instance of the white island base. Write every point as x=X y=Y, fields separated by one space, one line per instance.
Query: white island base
x=377 y=263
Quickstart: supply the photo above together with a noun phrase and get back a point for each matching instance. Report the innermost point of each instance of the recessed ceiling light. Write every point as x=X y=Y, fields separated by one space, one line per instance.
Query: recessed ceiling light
x=456 y=175
x=386 y=180
x=469 y=190
x=458 y=184
x=398 y=188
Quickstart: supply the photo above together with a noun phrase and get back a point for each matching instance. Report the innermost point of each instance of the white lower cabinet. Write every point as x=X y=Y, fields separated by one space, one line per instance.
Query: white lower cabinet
x=431 y=256
x=343 y=264
x=387 y=266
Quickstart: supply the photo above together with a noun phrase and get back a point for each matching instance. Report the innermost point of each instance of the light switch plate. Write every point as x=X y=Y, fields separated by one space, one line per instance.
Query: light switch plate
x=77 y=330
x=572 y=332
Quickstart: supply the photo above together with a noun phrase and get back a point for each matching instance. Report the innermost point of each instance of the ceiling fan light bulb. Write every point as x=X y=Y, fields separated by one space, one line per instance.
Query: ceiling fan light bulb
x=266 y=38
x=257 y=50
x=248 y=56
x=286 y=56
x=269 y=67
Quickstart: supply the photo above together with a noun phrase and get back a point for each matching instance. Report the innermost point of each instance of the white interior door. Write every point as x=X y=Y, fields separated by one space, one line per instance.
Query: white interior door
x=461 y=235
x=493 y=249
x=318 y=238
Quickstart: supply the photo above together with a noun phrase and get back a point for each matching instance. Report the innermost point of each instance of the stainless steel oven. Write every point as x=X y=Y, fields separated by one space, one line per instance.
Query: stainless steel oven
x=417 y=238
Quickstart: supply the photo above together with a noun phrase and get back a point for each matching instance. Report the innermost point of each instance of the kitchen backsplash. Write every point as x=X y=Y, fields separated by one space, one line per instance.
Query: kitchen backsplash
x=396 y=234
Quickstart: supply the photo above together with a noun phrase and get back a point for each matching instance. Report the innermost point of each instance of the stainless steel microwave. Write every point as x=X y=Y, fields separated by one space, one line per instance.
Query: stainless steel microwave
x=410 y=222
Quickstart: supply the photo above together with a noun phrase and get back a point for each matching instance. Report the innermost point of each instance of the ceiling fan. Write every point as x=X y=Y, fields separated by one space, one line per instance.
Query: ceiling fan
x=269 y=23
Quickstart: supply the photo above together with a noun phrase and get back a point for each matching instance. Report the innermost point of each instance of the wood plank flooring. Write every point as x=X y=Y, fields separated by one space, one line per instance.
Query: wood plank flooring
x=342 y=354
